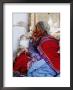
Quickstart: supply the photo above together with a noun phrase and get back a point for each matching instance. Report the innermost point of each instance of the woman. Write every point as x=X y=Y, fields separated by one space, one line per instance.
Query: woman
x=22 y=58
x=47 y=61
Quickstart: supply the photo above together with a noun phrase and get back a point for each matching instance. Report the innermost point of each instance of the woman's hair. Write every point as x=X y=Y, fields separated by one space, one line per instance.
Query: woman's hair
x=44 y=26
x=41 y=29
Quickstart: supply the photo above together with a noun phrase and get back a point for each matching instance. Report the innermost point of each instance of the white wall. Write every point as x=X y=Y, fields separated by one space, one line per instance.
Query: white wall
x=20 y=26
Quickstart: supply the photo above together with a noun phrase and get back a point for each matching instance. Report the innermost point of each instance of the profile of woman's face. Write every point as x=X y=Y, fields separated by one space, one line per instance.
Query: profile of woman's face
x=37 y=32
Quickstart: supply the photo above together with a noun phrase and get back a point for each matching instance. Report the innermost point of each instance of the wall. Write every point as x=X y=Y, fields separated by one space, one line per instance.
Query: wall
x=20 y=27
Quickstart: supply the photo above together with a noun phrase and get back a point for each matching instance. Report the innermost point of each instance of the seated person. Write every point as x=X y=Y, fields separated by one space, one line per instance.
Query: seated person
x=44 y=48
x=22 y=58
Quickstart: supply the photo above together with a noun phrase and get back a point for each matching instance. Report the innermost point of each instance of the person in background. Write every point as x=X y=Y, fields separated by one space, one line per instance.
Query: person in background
x=44 y=49
x=22 y=58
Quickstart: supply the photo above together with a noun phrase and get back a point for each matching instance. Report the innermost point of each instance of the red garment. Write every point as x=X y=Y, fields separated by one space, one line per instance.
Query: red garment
x=48 y=48
x=20 y=63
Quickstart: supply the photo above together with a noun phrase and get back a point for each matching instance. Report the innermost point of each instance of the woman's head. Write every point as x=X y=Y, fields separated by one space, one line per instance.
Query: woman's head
x=40 y=29
x=24 y=42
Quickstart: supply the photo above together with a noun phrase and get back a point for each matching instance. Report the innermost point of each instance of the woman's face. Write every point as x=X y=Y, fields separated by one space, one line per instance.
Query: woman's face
x=24 y=43
x=37 y=32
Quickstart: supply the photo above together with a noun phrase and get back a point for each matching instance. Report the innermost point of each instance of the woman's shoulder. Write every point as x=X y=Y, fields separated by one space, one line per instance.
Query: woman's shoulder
x=48 y=37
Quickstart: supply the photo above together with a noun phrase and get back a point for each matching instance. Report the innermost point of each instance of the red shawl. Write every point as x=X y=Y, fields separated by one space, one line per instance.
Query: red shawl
x=20 y=63
x=48 y=48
